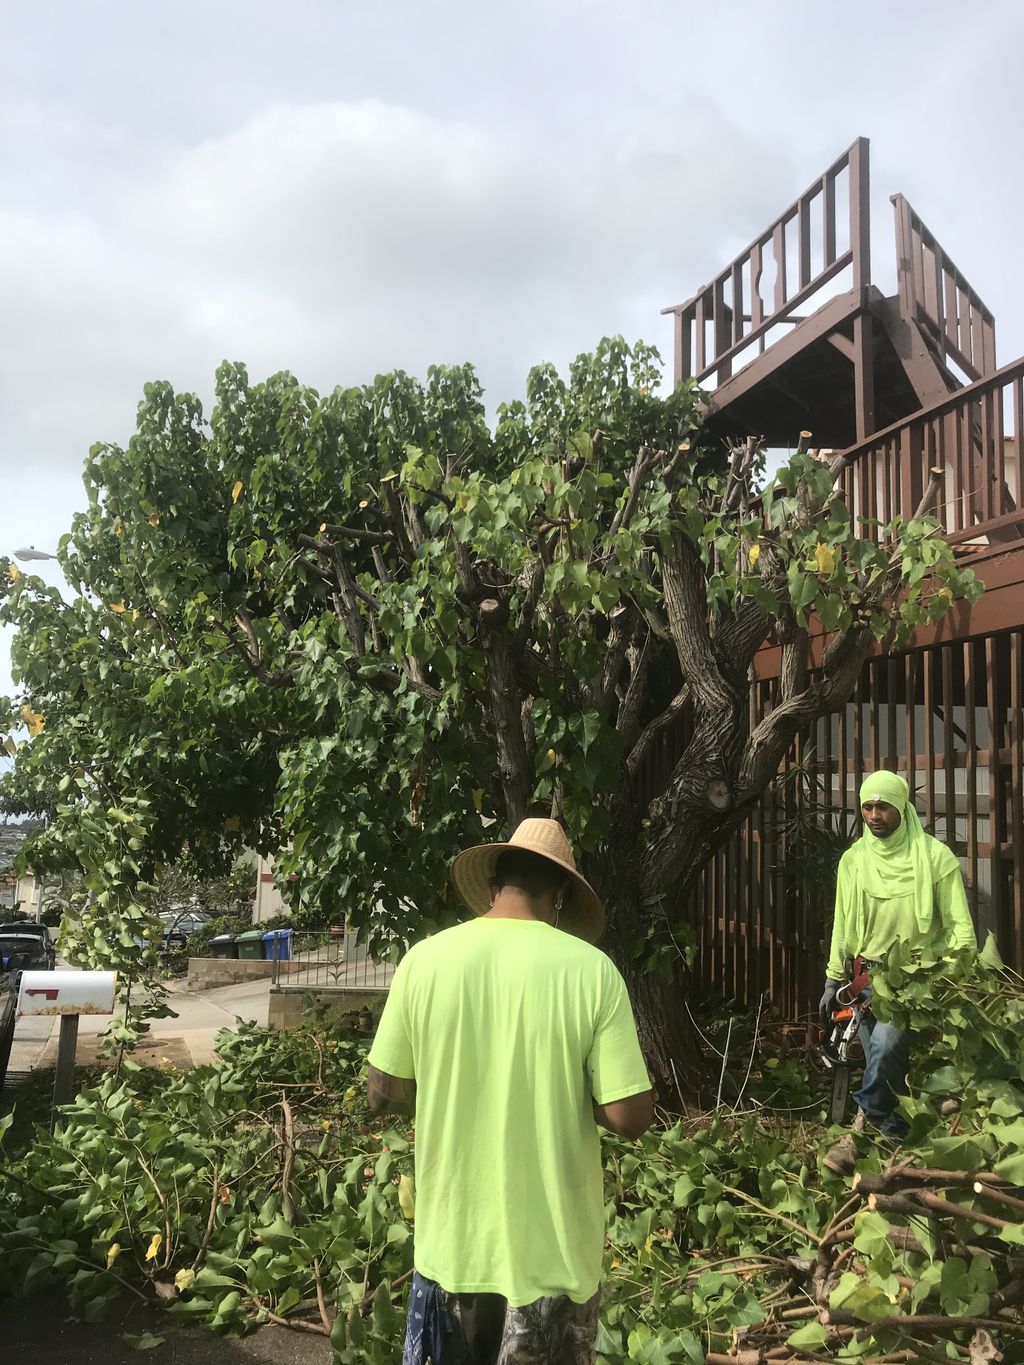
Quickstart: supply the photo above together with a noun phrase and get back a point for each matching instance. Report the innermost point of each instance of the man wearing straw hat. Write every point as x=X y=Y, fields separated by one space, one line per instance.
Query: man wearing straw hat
x=510 y=1037
x=896 y=884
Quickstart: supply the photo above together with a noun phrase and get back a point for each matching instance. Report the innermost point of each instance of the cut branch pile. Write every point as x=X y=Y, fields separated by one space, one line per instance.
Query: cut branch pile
x=911 y=1240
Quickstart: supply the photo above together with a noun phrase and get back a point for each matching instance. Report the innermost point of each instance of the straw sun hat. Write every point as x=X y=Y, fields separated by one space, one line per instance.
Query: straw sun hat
x=582 y=913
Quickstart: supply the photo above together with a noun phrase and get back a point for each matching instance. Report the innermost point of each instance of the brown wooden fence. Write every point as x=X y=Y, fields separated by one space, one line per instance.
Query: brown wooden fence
x=951 y=719
x=947 y=714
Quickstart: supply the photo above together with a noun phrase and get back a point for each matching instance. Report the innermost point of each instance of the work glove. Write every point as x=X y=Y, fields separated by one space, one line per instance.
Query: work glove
x=828 y=1001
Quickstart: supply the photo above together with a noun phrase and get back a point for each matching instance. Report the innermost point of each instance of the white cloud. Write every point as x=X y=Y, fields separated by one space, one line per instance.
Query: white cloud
x=340 y=239
x=340 y=189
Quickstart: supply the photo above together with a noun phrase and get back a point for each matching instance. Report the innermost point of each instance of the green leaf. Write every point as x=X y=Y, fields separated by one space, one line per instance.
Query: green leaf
x=803 y=587
x=989 y=954
x=812 y=1334
x=872 y=1234
x=146 y=1341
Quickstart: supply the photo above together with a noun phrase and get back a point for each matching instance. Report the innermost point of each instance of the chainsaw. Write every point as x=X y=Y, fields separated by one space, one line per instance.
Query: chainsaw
x=840 y=1049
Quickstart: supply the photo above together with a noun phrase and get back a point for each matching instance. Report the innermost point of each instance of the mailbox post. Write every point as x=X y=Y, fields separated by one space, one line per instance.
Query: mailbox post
x=66 y=995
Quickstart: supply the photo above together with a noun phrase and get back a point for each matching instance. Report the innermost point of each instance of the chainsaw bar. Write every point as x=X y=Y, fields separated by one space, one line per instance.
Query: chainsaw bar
x=840 y=1092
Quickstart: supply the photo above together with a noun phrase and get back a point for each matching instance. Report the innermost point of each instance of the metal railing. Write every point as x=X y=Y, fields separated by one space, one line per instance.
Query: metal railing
x=325 y=961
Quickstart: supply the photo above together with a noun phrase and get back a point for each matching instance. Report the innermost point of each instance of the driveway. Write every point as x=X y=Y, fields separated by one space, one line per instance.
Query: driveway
x=184 y=1041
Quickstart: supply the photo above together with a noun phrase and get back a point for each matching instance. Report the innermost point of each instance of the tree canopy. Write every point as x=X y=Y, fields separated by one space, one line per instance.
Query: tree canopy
x=362 y=630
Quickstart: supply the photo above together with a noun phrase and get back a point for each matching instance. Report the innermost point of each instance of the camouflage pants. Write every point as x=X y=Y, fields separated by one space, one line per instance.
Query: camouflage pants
x=481 y=1329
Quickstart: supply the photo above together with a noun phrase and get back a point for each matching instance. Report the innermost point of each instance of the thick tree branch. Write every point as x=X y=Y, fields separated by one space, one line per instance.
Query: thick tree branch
x=532 y=580
x=619 y=635
x=345 y=604
x=397 y=518
x=386 y=680
x=251 y=656
x=686 y=602
x=793 y=666
x=355 y=533
x=737 y=491
x=515 y=767
x=640 y=750
x=642 y=466
x=738 y=637
x=627 y=722
x=772 y=737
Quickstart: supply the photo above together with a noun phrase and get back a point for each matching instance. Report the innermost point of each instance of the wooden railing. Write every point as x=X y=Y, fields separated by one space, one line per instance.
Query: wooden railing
x=938 y=297
x=733 y=312
x=974 y=435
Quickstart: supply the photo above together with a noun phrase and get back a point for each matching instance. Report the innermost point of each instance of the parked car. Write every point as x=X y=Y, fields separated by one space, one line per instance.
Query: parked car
x=38 y=931
x=8 y=1008
x=23 y=952
x=178 y=924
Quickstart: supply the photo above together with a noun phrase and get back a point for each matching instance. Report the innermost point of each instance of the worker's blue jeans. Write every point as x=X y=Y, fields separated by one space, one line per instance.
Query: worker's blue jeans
x=886 y=1063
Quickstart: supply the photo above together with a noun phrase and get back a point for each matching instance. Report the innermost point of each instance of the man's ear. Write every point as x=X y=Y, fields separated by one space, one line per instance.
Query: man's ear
x=492 y=891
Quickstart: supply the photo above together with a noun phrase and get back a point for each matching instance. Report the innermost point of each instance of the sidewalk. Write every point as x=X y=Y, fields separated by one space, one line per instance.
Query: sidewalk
x=185 y=1041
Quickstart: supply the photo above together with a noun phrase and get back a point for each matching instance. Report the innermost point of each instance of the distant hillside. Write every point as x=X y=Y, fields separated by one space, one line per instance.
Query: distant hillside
x=12 y=836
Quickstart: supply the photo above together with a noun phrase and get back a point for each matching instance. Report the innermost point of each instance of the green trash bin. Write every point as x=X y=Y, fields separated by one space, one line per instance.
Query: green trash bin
x=250 y=945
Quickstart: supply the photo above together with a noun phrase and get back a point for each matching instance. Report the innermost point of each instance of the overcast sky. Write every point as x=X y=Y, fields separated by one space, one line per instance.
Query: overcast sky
x=338 y=188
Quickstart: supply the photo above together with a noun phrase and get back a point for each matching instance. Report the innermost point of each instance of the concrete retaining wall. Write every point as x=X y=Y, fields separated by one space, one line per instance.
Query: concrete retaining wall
x=206 y=972
x=287 y=1007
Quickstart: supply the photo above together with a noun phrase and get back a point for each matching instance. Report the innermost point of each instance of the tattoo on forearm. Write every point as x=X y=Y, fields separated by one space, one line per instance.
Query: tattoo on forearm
x=388 y=1094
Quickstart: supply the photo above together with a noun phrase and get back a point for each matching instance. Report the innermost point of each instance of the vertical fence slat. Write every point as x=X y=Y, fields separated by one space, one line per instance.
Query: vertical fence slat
x=994 y=821
x=1015 y=742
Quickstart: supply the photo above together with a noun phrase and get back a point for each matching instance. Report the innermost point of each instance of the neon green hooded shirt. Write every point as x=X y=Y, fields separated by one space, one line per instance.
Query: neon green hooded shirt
x=906 y=888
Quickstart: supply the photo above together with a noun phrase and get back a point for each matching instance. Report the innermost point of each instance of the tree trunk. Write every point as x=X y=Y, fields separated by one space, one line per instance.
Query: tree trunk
x=676 y=1058
x=642 y=881
x=671 y=1044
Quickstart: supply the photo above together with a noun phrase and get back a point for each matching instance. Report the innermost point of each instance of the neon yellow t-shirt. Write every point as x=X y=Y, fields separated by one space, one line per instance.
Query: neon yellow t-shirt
x=510 y=1029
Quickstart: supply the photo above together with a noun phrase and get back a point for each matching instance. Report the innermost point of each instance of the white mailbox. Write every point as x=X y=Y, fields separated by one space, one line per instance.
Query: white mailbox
x=66 y=992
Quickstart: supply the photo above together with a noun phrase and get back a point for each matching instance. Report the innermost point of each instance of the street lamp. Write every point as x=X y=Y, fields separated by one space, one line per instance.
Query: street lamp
x=33 y=553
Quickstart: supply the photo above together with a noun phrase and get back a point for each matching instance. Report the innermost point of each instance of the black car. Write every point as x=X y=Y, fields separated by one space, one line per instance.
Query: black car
x=23 y=952
x=8 y=1009
x=37 y=931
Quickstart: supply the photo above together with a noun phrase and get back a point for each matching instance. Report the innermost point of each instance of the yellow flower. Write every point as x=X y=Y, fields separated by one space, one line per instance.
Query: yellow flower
x=154 y=518
x=754 y=553
x=184 y=1280
x=117 y=606
x=826 y=557
x=113 y=1251
x=237 y=490
x=154 y=1246
x=13 y=572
